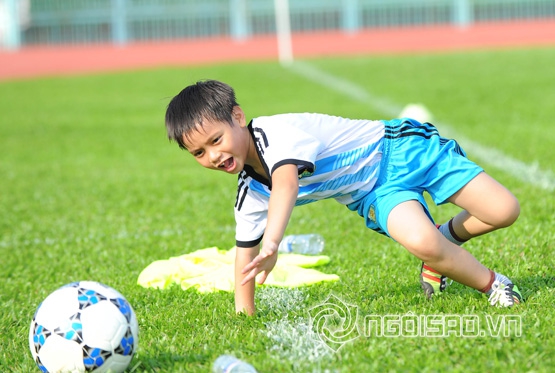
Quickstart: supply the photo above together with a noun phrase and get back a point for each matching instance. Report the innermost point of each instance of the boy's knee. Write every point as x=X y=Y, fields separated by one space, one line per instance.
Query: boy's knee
x=508 y=213
x=426 y=247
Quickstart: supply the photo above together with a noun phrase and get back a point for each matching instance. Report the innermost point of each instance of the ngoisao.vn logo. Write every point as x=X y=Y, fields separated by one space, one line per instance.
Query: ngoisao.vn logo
x=336 y=322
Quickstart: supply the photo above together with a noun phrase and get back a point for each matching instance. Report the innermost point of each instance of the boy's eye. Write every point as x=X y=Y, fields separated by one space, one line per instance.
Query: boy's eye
x=197 y=153
x=216 y=140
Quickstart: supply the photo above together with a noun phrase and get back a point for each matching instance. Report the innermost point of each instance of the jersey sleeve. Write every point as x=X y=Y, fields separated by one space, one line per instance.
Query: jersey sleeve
x=288 y=144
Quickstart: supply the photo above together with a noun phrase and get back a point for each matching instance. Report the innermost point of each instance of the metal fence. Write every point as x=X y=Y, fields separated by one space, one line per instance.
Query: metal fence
x=32 y=22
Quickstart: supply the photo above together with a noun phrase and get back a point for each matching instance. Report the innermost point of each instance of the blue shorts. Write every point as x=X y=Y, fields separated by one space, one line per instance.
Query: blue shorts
x=415 y=159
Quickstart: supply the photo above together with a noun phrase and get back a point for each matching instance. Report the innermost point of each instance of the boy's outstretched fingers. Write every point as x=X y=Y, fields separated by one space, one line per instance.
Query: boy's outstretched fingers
x=252 y=268
x=262 y=278
x=263 y=262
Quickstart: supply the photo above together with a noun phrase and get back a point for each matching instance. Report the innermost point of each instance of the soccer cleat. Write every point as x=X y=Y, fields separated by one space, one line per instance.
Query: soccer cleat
x=432 y=281
x=504 y=295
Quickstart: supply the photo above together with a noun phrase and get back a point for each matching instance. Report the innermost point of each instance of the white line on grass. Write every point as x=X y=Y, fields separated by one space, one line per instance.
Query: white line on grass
x=528 y=173
x=292 y=337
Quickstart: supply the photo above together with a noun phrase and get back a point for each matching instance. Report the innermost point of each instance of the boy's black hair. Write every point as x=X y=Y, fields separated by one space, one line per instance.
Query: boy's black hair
x=205 y=100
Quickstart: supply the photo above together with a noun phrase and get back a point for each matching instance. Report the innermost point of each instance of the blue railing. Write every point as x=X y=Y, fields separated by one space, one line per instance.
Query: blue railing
x=124 y=21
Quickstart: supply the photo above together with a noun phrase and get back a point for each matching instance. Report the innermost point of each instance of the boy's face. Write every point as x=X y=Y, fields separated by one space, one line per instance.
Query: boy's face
x=221 y=146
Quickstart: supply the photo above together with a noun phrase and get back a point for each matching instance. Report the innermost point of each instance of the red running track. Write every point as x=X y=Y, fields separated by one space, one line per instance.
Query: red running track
x=70 y=60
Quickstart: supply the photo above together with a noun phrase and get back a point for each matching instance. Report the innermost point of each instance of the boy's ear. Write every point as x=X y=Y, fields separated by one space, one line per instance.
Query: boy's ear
x=238 y=115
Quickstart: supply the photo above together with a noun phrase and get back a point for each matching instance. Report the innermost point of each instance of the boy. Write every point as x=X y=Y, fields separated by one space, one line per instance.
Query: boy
x=378 y=168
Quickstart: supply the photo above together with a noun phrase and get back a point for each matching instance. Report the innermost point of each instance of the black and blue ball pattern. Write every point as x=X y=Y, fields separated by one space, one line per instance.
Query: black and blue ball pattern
x=72 y=330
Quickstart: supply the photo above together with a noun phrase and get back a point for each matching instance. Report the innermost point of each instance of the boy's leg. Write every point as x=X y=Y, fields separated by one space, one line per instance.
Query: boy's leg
x=409 y=225
x=488 y=206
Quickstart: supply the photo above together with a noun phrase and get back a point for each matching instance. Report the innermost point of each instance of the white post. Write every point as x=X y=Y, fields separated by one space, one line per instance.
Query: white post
x=119 y=22
x=238 y=20
x=10 y=37
x=462 y=16
x=283 y=32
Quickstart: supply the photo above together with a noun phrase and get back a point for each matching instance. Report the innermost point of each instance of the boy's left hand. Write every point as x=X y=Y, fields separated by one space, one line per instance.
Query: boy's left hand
x=262 y=263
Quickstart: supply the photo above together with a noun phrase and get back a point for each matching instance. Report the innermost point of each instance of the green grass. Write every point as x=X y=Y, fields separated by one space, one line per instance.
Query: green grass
x=91 y=189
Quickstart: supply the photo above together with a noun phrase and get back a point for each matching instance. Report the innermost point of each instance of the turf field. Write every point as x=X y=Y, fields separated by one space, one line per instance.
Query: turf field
x=92 y=190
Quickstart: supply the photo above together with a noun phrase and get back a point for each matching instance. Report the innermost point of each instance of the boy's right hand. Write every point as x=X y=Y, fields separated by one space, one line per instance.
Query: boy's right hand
x=263 y=263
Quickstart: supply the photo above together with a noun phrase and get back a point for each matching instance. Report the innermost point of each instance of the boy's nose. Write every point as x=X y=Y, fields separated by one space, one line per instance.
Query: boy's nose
x=214 y=157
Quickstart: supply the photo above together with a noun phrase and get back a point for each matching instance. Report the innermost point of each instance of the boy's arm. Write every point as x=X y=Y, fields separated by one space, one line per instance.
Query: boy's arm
x=285 y=188
x=244 y=294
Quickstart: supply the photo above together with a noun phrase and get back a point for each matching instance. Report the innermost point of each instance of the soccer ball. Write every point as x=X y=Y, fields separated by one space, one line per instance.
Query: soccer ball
x=84 y=327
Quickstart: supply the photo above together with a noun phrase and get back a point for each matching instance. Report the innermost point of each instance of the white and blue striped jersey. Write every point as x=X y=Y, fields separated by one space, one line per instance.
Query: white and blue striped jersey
x=337 y=158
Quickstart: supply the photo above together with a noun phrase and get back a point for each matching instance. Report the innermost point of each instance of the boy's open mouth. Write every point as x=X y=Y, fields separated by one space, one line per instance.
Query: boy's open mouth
x=227 y=164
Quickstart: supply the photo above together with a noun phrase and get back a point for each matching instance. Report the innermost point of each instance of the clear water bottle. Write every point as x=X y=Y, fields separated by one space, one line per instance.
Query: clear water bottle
x=307 y=244
x=230 y=364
